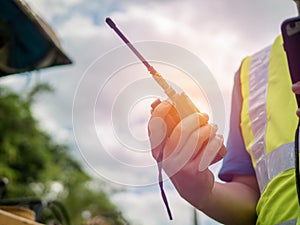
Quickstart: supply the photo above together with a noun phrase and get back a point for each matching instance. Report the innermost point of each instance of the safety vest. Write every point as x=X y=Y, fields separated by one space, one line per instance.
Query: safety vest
x=268 y=125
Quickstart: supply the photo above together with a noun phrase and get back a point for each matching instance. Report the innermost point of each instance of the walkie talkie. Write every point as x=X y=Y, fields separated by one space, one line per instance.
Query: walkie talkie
x=182 y=102
x=182 y=105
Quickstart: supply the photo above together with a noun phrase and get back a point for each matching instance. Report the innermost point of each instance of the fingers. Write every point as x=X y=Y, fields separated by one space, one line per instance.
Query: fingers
x=296 y=87
x=210 y=152
x=221 y=153
x=204 y=147
x=188 y=142
x=296 y=90
x=158 y=125
x=157 y=130
x=181 y=133
x=182 y=147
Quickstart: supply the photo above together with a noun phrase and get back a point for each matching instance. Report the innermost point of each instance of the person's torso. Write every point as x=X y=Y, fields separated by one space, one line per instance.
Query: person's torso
x=268 y=125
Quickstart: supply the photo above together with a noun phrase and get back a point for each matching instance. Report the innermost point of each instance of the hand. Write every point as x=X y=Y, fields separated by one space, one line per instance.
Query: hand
x=296 y=90
x=188 y=150
x=165 y=125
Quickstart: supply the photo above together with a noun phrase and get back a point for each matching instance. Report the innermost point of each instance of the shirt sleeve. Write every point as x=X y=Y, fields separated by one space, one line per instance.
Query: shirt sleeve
x=237 y=161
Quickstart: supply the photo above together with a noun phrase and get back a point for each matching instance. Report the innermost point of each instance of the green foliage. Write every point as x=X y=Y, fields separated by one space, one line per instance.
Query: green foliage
x=36 y=166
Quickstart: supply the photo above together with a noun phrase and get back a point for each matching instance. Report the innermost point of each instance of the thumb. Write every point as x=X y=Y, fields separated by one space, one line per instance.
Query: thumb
x=157 y=132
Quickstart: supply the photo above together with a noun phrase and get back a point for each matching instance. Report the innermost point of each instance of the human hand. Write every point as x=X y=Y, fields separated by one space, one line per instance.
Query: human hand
x=296 y=90
x=188 y=149
x=165 y=126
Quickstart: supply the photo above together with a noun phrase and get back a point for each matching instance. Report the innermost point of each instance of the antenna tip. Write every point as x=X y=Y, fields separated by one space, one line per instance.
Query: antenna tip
x=110 y=22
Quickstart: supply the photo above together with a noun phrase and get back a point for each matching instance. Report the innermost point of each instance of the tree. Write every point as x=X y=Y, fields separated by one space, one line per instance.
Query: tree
x=36 y=166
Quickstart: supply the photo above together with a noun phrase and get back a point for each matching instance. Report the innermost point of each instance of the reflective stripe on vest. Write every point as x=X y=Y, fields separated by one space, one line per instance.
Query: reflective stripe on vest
x=279 y=160
x=258 y=82
x=266 y=109
x=290 y=222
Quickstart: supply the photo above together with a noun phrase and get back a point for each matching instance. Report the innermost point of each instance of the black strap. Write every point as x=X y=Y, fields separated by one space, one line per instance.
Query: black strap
x=161 y=183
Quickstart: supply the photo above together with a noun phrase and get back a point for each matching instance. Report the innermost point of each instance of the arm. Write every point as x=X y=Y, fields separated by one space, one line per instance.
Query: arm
x=233 y=202
x=241 y=190
x=230 y=203
x=236 y=201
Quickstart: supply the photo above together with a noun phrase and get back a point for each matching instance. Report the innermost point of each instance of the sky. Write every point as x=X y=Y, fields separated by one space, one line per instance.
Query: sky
x=101 y=103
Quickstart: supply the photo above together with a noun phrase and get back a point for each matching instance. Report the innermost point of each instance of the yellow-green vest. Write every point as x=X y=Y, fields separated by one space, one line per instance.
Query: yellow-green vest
x=268 y=125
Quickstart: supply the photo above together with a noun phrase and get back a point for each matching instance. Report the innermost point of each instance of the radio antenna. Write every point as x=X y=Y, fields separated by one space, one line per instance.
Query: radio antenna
x=170 y=92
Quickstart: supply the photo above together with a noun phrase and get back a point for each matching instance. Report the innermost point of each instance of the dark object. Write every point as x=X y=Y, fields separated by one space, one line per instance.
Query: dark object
x=27 y=42
x=127 y=42
x=3 y=186
x=290 y=30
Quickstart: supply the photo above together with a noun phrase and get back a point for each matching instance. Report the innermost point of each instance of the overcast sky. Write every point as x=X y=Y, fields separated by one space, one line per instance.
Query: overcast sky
x=101 y=104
